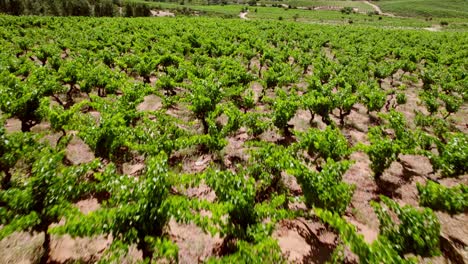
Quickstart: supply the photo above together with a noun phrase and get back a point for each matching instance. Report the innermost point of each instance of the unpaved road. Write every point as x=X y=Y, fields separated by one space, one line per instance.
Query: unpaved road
x=243 y=15
x=378 y=10
x=434 y=28
x=161 y=13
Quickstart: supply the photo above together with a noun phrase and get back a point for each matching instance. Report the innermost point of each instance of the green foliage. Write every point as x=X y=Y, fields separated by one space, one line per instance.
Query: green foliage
x=239 y=201
x=14 y=147
x=319 y=100
x=101 y=78
x=417 y=232
x=19 y=100
x=256 y=123
x=285 y=108
x=403 y=135
x=253 y=206
x=425 y=8
x=87 y=77
x=452 y=103
x=265 y=251
x=453 y=156
x=278 y=75
x=347 y=10
x=382 y=151
x=325 y=189
x=44 y=196
x=204 y=98
x=162 y=134
x=380 y=251
x=136 y=212
x=372 y=97
x=430 y=99
x=401 y=98
x=267 y=161
x=109 y=137
x=246 y=229
x=59 y=117
x=329 y=143
x=440 y=126
x=391 y=139
x=167 y=84
x=345 y=99
x=438 y=197
x=145 y=67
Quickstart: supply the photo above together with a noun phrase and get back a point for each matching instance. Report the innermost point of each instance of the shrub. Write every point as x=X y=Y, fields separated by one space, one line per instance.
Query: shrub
x=439 y=197
x=347 y=10
x=325 y=189
x=453 y=156
x=329 y=143
x=417 y=232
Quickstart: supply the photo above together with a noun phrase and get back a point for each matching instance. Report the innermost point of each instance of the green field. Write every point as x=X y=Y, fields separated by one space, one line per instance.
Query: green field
x=363 y=7
x=407 y=8
x=313 y=16
x=426 y=8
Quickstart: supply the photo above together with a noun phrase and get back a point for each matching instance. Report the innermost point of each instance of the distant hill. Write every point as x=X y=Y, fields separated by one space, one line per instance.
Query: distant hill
x=425 y=8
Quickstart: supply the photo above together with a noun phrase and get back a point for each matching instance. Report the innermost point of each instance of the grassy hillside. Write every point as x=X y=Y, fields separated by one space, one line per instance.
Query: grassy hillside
x=308 y=16
x=363 y=7
x=426 y=8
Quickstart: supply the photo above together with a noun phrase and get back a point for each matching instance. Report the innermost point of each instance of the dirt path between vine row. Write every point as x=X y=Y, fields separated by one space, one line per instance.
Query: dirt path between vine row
x=243 y=15
x=378 y=10
x=161 y=13
x=434 y=28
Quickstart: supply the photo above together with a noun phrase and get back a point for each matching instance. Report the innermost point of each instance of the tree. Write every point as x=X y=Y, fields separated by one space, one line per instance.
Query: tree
x=104 y=8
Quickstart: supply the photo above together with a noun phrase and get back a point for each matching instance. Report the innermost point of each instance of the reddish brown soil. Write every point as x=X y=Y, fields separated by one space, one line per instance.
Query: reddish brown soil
x=78 y=152
x=304 y=241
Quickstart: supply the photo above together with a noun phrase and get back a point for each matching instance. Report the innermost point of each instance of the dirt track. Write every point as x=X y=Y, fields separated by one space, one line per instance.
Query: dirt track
x=243 y=15
x=378 y=10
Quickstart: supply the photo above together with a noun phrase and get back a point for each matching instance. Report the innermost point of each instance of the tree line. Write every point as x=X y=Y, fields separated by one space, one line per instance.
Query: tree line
x=98 y=8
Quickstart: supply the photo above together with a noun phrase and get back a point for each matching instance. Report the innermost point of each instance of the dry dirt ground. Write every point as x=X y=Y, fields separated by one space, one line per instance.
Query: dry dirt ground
x=161 y=13
x=243 y=15
x=378 y=10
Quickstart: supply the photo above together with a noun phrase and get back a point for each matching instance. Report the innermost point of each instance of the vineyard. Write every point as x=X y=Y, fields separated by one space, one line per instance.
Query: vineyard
x=187 y=140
